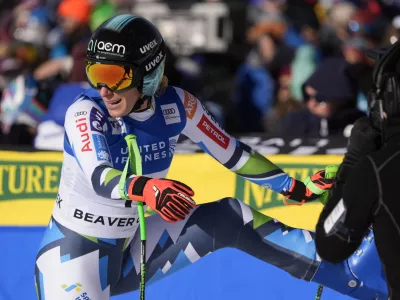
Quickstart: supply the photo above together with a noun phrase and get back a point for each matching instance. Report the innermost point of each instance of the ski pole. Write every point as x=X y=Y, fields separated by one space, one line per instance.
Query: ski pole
x=135 y=163
x=319 y=292
x=330 y=172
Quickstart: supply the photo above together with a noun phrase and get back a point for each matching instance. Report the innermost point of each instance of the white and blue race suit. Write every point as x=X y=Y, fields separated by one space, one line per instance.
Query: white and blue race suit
x=91 y=248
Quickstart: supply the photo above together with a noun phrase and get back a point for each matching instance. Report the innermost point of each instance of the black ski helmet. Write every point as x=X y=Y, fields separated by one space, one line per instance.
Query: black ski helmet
x=133 y=41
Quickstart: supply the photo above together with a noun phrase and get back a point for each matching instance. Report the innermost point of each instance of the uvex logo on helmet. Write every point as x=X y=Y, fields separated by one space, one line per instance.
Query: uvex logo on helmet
x=154 y=62
x=148 y=46
x=95 y=45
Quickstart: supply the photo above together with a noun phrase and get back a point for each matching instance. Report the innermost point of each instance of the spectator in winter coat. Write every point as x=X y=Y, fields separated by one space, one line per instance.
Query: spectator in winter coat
x=330 y=99
x=255 y=86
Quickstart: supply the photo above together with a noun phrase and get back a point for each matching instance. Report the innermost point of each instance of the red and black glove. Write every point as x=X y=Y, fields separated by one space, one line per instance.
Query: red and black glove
x=311 y=189
x=170 y=198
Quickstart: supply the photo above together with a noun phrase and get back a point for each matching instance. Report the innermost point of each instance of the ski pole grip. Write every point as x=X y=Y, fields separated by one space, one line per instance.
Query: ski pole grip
x=330 y=172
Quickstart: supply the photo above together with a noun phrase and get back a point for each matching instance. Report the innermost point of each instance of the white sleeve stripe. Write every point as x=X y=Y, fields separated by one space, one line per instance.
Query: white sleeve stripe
x=242 y=161
x=115 y=193
x=103 y=175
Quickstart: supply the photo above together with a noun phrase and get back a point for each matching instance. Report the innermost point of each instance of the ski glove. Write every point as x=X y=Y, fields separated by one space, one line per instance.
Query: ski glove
x=309 y=190
x=171 y=199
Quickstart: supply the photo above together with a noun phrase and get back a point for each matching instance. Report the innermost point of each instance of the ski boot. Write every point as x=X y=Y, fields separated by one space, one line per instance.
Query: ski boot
x=361 y=276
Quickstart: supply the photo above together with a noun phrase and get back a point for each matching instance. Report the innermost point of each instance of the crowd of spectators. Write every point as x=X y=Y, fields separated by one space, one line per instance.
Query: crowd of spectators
x=301 y=68
x=307 y=73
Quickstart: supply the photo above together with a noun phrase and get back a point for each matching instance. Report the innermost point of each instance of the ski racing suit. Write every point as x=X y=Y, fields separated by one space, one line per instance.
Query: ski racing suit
x=91 y=247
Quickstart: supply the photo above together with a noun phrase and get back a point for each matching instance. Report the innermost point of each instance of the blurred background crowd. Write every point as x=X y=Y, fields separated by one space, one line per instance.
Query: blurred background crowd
x=271 y=67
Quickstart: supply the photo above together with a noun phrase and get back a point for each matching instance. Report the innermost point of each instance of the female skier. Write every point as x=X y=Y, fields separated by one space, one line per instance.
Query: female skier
x=91 y=248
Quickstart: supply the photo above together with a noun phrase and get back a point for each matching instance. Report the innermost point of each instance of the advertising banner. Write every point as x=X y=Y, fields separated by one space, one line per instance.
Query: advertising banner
x=28 y=186
x=29 y=183
x=211 y=181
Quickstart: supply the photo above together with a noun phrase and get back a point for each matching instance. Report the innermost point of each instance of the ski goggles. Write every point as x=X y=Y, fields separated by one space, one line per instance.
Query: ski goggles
x=112 y=76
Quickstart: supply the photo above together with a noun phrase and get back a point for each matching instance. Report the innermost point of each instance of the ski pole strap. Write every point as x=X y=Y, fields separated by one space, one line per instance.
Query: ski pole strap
x=134 y=163
x=131 y=163
x=330 y=172
x=137 y=169
x=312 y=186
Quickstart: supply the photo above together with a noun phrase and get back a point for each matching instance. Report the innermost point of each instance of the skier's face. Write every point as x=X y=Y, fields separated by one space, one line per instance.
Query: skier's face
x=119 y=104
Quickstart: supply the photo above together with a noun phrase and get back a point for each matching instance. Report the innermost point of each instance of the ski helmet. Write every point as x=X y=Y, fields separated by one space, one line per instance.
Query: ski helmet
x=132 y=43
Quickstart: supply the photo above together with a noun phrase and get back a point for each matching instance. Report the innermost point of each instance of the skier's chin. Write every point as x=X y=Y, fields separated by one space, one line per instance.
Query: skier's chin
x=118 y=111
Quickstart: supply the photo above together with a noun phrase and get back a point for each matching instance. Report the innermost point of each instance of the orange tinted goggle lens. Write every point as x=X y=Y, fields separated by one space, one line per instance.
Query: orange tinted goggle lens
x=114 y=76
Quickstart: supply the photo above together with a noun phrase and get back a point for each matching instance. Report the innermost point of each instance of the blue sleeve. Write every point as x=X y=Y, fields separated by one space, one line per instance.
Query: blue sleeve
x=262 y=90
x=59 y=51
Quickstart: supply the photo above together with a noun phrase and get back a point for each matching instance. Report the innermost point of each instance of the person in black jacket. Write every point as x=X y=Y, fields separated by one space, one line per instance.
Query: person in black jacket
x=330 y=103
x=365 y=194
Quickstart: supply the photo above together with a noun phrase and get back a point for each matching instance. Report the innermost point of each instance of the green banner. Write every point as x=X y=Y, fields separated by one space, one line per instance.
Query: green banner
x=29 y=184
x=29 y=180
x=261 y=198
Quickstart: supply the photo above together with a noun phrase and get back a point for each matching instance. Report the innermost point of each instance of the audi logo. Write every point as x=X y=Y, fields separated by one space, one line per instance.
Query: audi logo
x=80 y=113
x=169 y=111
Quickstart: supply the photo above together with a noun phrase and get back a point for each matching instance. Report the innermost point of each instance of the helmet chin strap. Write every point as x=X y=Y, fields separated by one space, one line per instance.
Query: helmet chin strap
x=161 y=89
x=139 y=103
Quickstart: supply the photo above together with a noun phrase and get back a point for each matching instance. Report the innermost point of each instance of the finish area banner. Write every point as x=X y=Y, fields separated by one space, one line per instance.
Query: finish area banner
x=29 y=183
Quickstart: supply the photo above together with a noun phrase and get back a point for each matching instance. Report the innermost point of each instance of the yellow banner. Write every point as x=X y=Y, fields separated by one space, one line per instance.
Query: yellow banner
x=29 y=183
x=211 y=181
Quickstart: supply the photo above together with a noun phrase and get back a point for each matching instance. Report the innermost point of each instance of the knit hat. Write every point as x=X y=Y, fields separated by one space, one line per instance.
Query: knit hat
x=78 y=10
x=332 y=81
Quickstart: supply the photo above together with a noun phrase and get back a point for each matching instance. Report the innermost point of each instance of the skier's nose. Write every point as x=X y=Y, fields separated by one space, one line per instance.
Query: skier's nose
x=104 y=92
